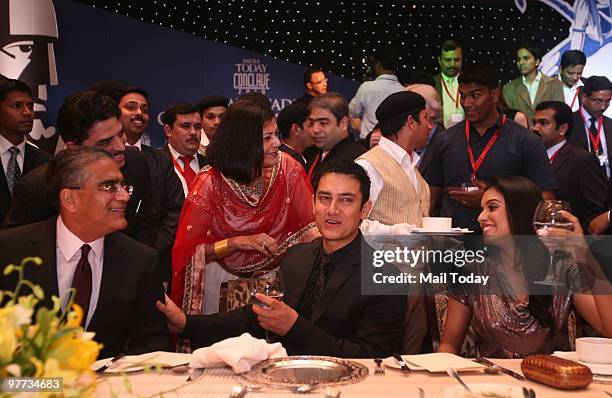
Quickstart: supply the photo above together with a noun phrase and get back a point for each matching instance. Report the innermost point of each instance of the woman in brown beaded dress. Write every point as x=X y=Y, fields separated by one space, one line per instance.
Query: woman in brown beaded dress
x=514 y=316
x=242 y=212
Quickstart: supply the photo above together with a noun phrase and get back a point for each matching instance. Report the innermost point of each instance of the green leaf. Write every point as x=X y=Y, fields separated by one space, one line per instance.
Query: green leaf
x=127 y=384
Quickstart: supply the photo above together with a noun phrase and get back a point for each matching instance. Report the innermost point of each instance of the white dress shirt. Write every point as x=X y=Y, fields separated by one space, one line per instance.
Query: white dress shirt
x=68 y=254
x=369 y=95
x=194 y=164
x=553 y=149
x=5 y=145
x=532 y=88
x=602 y=138
x=137 y=144
x=401 y=157
x=450 y=106
x=570 y=94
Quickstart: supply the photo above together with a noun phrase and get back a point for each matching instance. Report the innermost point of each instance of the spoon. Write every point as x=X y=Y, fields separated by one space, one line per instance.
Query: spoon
x=492 y=369
x=453 y=373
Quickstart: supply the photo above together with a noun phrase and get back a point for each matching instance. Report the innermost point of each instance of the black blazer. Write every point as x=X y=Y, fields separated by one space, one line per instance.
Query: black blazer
x=125 y=319
x=582 y=182
x=344 y=323
x=168 y=198
x=578 y=136
x=31 y=203
x=33 y=157
x=348 y=149
x=294 y=154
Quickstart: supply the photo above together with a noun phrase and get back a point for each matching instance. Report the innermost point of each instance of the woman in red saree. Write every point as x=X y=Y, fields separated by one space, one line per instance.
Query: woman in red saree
x=241 y=213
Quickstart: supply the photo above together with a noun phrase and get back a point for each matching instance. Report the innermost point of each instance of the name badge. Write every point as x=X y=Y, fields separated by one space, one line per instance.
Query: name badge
x=603 y=159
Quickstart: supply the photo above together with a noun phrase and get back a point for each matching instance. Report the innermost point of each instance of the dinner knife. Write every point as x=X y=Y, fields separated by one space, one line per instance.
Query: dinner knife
x=401 y=362
x=110 y=363
x=503 y=370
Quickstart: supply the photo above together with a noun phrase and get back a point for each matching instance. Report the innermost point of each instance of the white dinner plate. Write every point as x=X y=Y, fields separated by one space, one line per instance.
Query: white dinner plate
x=596 y=368
x=485 y=390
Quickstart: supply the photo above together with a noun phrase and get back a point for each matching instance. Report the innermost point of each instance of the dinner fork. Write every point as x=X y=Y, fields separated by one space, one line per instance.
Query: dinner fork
x=378 y=370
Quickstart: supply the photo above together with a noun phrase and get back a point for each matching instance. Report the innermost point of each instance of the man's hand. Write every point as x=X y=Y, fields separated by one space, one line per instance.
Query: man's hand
x=468 y=198
x=174 y=315
x=599 y=224
x=278 y=318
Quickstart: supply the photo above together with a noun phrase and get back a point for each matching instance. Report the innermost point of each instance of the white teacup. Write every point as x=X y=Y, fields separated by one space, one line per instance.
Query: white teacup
x=594 y=350
x=437 y=223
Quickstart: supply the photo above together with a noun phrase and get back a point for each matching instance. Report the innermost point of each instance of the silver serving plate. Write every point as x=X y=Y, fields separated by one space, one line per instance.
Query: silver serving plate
x=314 y=371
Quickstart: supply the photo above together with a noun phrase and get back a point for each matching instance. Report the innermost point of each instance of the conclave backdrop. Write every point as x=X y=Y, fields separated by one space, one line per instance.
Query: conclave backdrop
x=62 y=49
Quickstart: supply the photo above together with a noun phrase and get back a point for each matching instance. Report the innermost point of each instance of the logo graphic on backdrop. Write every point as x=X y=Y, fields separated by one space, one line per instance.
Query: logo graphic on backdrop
x=591 y=32
x=251 y=76
x=28 y=29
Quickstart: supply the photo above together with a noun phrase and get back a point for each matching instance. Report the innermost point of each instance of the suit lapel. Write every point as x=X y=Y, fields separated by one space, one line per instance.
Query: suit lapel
x=113 y=271
x=522 y=93
x=542 y=88
x=295 y=278
x=607 y=131
x=562 y=157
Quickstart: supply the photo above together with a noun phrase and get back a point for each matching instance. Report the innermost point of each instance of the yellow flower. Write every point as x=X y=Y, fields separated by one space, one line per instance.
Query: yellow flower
x=8 y=340
x=75 y=316
x=17 y=314
x=73 y=351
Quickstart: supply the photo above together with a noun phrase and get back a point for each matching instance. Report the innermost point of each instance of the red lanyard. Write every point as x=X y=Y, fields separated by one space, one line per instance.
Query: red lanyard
x=454 y=99
x=314 y=164
x=476 y=164
x=575 y=96
x=595 y=140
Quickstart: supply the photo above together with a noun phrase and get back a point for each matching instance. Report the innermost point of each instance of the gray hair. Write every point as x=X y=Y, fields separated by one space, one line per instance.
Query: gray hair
x=432 y=100
x=68 y=169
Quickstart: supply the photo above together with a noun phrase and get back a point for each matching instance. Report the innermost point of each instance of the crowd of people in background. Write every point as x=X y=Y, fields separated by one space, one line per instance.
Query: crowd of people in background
x=165 y=240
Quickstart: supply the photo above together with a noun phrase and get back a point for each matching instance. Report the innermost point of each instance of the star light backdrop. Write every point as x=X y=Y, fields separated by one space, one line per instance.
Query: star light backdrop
x=338 y=34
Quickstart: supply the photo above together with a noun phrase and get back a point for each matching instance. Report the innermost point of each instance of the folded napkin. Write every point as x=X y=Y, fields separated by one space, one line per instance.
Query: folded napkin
x=241 y=353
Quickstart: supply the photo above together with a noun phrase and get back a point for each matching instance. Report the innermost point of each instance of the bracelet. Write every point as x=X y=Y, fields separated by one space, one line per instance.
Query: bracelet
x=221 y=248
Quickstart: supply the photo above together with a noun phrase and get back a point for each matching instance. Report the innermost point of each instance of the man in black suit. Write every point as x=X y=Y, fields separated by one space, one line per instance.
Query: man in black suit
x=112 y=274
x=580 y=179
x=295 y=138
x=91 y=119
x=592 y=130
x=183 y=128
x=18 y=156
x=166 y=188
x=323 y=312
x=328 y=122
x=211 y=108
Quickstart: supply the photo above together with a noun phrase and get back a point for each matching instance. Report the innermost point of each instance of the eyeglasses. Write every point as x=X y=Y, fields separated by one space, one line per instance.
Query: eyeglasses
x=112 y=187
x=320 y=81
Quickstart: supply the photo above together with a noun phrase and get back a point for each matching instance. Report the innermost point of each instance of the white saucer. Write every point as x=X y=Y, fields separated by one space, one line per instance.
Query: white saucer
x=497 y=390
x=596 y=368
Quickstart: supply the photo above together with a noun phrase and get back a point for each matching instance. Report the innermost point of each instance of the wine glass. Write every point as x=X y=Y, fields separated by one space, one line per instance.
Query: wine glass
x=268 y=283
x=548 y=215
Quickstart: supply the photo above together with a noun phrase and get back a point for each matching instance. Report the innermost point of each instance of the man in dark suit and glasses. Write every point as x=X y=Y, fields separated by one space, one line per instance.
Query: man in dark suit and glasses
x=113 y=275
x=18 y=156
x=580 y=179
x=323 y=312
x=87 y=118
x=592 y=130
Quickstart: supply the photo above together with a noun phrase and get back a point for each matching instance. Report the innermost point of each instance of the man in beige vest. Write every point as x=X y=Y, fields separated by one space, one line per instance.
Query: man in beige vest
x=398 y=192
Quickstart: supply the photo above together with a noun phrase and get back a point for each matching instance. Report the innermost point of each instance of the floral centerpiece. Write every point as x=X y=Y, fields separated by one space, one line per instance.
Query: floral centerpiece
x=52 y=344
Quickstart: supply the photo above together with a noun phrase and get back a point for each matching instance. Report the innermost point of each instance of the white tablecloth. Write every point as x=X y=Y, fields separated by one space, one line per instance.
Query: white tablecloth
x=219 y=383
